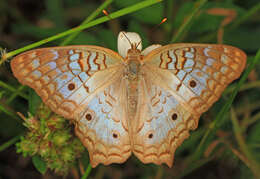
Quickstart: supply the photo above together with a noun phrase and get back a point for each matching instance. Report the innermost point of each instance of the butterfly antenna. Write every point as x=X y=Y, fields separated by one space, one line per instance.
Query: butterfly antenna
x=162 y=21
x=138 y=43
x=106 y=13
x=127 y=38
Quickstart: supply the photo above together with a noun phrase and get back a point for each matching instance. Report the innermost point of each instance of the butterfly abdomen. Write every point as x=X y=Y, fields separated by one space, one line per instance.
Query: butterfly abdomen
x=133 y=68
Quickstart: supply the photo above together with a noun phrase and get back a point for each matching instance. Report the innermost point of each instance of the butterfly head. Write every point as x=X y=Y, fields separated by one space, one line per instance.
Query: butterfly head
x=134 y=48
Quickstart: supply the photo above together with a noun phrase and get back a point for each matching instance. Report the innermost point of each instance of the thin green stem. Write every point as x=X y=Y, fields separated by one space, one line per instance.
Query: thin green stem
x=187 y=23
x=87 y=20
x=254 y=84
x=251 y=120
x=193 y=167
x=114 y=15
x=251 y=106
x=9 y=113
x=87 y=172
x=254 y=166
x=10 y=88
x=15 y=94
x=221 y=115
x=208 y=37
x=247 y=15
x=255 y=118
x=9 y=143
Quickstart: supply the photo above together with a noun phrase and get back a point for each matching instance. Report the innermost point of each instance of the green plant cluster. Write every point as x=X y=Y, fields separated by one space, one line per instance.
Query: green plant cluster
x=50 y=141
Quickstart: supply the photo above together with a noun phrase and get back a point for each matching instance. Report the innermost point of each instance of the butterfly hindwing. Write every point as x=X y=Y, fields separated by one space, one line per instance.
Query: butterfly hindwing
x=64 y=76
x=103 y=126
x=161 y=124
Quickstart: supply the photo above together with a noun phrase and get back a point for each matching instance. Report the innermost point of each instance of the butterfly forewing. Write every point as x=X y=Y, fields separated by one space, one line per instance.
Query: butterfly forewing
x=196 y=74
x=64 y=76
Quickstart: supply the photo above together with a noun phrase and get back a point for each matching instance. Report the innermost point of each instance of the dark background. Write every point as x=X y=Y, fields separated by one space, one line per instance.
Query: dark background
x=230 y=153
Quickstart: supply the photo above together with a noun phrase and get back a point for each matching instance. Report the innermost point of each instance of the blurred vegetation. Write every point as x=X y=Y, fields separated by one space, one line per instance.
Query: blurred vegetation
x=227 y=141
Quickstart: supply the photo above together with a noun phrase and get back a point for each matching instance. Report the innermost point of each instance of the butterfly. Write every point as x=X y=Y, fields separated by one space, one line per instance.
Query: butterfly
x=140 y=102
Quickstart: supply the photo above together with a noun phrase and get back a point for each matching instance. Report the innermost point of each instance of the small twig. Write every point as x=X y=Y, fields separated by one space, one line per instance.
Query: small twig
x=9 y=143
x=87 y=172
x=252 y=164
x=187 y=23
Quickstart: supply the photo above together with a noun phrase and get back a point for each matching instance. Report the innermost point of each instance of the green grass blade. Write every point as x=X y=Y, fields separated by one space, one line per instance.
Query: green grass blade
x=114 y=15
x=220 y=116
x=250 y=85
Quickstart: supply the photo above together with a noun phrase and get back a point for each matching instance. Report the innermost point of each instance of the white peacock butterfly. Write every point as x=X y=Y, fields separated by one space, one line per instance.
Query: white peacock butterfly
x=141 y=102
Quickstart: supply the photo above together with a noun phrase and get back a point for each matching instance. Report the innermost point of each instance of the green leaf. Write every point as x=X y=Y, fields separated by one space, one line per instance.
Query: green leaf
x=34 y=101
x=243 y=37
x=55 y=12
x=85 y=38
x=205 y=23
x=185 y=9
x=146 y=15
x=39 y=164
x=34 y=31
x=108 y=38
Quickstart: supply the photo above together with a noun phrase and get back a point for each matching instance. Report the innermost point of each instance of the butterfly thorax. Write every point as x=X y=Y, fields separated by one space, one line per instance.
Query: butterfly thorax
x=133 y=72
